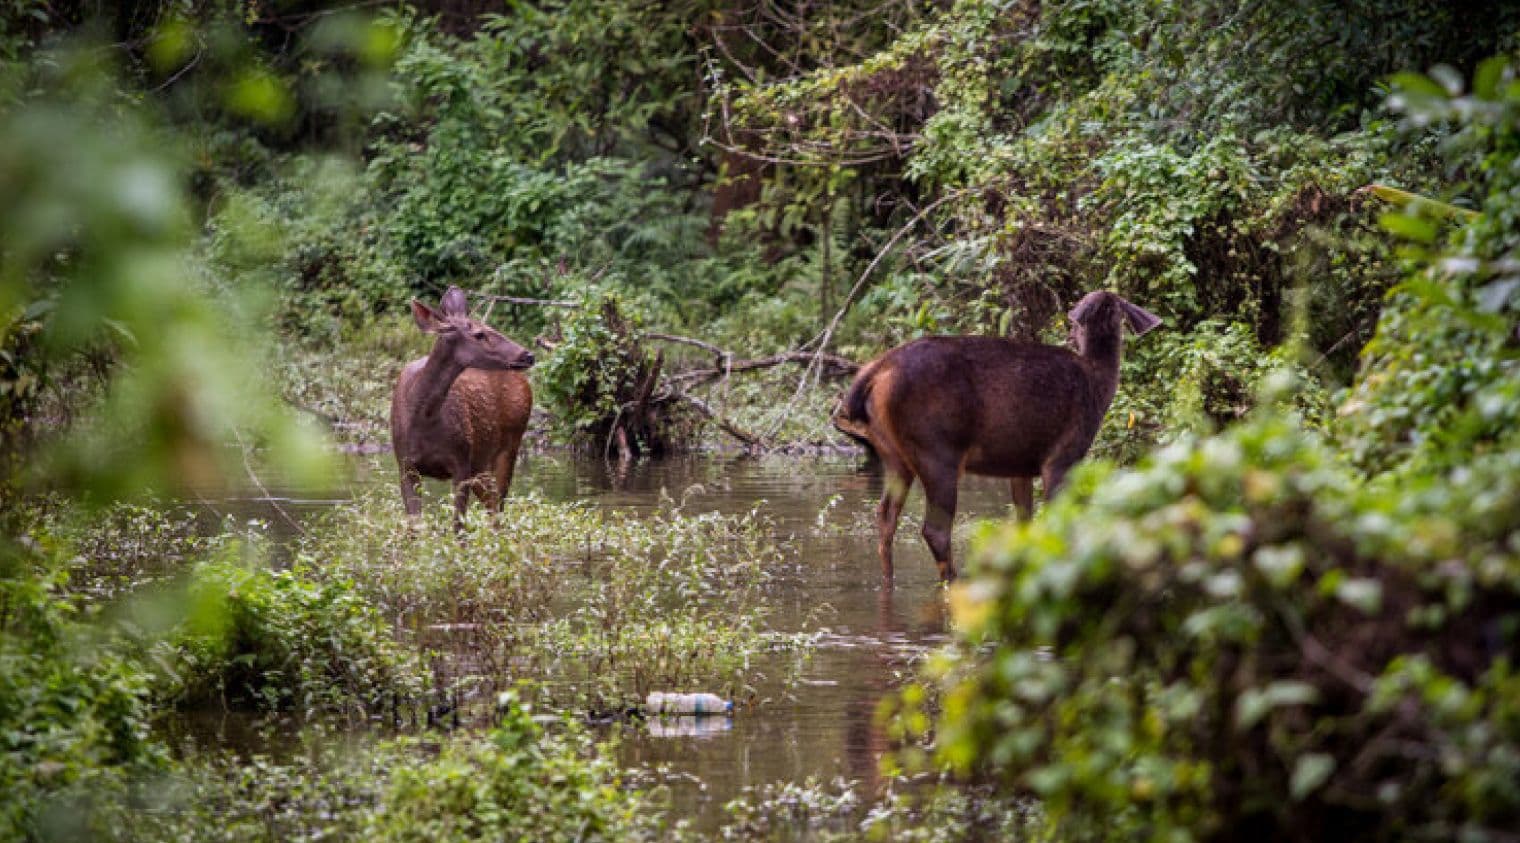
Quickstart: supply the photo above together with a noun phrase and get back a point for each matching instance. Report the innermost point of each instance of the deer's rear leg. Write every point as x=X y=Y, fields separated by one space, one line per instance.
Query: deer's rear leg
x=489 y=492
x=1023 y=496
x=411 y=499
x=462 y=490
x=894 y=492
x=940 y=488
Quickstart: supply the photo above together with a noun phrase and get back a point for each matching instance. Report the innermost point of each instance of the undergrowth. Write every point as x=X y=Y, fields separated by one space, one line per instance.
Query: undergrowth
x=601 y=606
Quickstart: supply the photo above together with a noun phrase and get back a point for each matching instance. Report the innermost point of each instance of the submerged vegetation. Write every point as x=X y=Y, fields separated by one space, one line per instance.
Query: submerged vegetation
x=1279 y=602
x=600 y=606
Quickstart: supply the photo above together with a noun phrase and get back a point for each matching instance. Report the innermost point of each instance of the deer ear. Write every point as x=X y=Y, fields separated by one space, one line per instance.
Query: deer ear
x=426 y=319
x=1082 y=310
x=1140 y=320
x=455 y=303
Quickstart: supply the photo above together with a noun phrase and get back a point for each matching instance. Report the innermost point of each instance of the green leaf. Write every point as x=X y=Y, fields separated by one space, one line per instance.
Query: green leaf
x=1409 y=227
x=1254 y=704
x=1421 y=205
x=1418 y=84
x=1486 y=79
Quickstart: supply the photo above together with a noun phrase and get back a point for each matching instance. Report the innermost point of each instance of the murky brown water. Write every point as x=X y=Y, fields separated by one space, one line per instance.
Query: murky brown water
x=825 y=726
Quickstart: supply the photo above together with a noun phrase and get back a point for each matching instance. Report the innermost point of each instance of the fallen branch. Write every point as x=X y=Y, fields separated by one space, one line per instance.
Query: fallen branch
x=832 y=363
x=702 y=344
x=494 y=299
x=749 y=439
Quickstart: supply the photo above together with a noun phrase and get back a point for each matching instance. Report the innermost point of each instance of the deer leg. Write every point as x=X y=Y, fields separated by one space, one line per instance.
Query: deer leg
x=1054 y=476
x=461 y=501
x=489 y=492
x=940 y=488
x=505 y=465
x=897 y=481
x=410 y=498
x=1023 y=496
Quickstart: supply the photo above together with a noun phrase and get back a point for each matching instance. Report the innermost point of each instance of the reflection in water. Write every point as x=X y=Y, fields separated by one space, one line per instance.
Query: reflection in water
x=689 y=727
x=869 y=637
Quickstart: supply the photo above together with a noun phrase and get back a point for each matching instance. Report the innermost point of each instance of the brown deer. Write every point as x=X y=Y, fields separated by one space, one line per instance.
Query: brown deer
x=460 y=412
x=939 y=406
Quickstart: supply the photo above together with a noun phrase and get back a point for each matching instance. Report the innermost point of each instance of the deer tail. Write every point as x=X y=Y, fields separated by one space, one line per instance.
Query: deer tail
x=852 y=415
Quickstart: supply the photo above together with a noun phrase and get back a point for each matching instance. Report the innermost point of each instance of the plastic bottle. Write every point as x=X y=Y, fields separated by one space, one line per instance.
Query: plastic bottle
x=660 y=702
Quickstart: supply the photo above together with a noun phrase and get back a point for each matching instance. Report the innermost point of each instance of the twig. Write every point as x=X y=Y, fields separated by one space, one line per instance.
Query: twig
x=749 y=439
x=833 y=362
x=252 y=475
x=190 y=65
x=702 y=344
x=492 y=297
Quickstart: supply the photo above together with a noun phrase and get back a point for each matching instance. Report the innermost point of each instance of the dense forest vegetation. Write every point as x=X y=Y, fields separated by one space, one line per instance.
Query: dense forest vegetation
x=1280 y=601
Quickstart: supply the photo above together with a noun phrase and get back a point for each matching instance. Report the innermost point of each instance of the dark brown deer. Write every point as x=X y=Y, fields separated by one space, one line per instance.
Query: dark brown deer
x=939 y=406
x=460 y=412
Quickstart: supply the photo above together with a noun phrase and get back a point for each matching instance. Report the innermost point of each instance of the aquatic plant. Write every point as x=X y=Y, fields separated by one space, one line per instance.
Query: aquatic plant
x=599 y=603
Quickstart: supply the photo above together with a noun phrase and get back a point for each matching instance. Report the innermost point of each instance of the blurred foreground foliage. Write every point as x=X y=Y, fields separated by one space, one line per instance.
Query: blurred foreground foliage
x=1279 y=632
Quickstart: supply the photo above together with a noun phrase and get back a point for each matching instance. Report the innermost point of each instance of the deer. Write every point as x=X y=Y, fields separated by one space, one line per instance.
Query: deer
x=937 y=407
x=459 y=414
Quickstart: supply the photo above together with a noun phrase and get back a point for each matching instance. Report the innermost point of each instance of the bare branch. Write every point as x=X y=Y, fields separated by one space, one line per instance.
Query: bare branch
x=739 y=433
x=832 y=363
x=491 y=297
x=702 y=344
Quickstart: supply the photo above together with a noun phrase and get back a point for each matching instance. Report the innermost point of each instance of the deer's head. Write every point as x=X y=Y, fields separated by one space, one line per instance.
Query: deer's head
x=1101 y=314
x=468 y=341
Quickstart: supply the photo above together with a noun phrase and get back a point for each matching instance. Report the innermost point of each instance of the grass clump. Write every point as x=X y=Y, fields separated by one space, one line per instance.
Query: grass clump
x=208 y=619
x=600 y=605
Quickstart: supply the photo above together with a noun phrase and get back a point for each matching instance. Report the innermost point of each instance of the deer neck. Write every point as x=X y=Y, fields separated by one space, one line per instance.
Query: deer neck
x=433 y=382
x=1102 y=355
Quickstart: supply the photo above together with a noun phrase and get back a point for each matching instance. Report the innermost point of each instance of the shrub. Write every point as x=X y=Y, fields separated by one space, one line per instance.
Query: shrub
x=1242 y=640
x=518 y=783
x=283 y=640
x=603 y=384
x=74 y=718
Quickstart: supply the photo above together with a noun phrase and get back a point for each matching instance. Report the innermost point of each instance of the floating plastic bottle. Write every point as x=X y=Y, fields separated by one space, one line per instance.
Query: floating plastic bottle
x=660 y=702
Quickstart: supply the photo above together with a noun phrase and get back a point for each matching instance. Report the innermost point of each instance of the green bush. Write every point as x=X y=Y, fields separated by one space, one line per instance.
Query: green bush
x=74 y=717
x=1236 y=635
x=283 y=640
x=517 y=783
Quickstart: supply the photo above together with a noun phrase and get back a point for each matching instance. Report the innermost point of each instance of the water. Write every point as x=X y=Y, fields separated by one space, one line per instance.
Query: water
x=870 y=637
